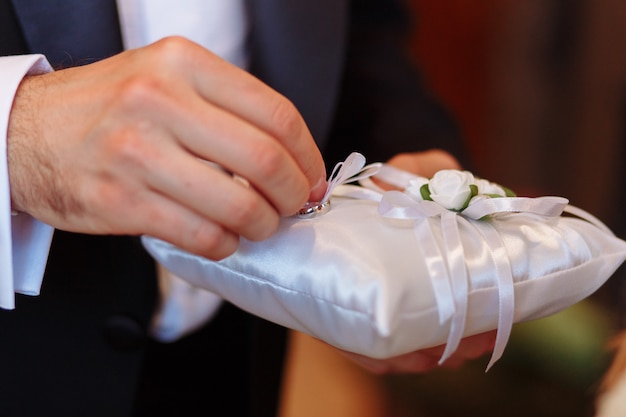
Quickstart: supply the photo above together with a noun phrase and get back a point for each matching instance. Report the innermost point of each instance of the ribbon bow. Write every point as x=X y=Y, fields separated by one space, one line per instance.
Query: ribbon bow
x=449 y=275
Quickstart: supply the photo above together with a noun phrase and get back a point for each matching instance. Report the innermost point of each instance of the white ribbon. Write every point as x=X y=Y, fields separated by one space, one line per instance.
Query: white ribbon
x=449 y=274
x=353 y=169
x=450 y=279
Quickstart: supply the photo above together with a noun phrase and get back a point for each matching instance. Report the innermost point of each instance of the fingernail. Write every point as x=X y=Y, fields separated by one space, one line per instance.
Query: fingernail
x=318 y=190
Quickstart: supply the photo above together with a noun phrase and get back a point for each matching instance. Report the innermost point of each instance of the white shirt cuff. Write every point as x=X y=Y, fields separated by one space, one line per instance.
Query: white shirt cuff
x=24 y=241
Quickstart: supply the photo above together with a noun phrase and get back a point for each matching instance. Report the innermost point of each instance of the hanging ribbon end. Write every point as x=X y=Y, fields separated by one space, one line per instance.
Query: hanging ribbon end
x=494 y=358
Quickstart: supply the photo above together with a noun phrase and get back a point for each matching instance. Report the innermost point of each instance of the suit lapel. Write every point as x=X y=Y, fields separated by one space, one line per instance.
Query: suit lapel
x=298 y=48
x=70 y=32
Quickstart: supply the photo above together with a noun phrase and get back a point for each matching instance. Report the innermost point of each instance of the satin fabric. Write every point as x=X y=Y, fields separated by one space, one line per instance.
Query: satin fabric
x=373 y=285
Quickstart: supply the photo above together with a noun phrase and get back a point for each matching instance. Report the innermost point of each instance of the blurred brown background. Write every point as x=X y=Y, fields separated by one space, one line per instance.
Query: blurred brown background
x=539 y=88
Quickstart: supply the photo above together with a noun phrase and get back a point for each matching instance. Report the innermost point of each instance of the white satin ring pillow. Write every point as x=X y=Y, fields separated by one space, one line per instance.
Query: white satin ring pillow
x=381 y=274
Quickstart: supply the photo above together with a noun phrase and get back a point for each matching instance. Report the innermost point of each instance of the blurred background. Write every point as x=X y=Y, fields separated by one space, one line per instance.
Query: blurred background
x=539 y=89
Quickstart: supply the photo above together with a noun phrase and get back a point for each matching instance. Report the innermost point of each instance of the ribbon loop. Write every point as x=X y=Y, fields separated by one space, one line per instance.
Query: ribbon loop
x=544 y=206
x=351 y=170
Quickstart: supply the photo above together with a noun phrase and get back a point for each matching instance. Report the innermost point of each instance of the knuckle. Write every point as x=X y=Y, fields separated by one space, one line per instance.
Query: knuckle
x=212 y=242
x=127 y=149
x=139 y=89
x=171 y=49
x=286 y=119
x=267 y=228
x=245 y=211
x=401 y=158
x=443 y=158
x=251 y=218
x=406 y=161
x=269 y=161
x=286 y=189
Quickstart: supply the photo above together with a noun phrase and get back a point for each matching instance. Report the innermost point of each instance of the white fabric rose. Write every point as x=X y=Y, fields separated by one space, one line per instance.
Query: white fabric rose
x=414 y=189
x=489 y=188
x=451 y=188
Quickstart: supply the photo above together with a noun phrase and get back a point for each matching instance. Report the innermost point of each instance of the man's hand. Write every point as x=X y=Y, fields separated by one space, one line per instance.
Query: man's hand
x=120 y=147
x=425 y=360
x=425 y=163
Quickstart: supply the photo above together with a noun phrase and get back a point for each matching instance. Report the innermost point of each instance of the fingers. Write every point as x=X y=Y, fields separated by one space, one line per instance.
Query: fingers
x=425 y=163
x=131 y=170
x=252 y=101
x=414 y=362
x=241 y=148
x=217 y=196
x=475 y=346
x=133 y=201
x=225 y=115
x=471 y=347
x=185 y=229
x=156 y=215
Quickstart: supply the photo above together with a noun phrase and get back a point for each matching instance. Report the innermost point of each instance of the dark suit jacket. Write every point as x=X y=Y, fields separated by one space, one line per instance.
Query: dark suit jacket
x=80 y=349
